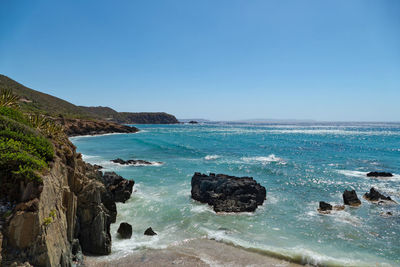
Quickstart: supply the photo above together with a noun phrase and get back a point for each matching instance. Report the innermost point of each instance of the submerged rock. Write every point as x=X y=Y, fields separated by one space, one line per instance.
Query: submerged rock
x=120 y=188
x=374 y=195
x=350 y=198
x=137 y=162
x=125 y=230
x=228 y=193
x=149 y=231
x=379 y=174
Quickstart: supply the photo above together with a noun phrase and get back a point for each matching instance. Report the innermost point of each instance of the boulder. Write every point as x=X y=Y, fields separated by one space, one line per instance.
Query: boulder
x=350 y=198
x=228 y=193
x=323 y=206
x=193 y=122
x=125 y=230
x=379 y=174
x=120 y=188
x=137 y=162
x=374 y=195
x=149 y=231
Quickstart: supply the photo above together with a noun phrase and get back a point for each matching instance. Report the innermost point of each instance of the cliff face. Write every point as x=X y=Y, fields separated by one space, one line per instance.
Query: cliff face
x=72 y=209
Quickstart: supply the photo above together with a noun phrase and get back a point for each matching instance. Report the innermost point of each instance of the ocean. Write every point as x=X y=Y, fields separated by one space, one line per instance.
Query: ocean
x=299 y=165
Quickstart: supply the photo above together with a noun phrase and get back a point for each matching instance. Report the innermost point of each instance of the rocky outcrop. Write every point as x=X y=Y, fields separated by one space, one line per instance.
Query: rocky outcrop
x=379 y=174
x=125 y=230
x=70 y=212
x=75 y=127
x=149 y=231
x=145 y=118
x=134 y=162
x=350 y=198
x=374 y=195
x=119 y=187
x=228 y=193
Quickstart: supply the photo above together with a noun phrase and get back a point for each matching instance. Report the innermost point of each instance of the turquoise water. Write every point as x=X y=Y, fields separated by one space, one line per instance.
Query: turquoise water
x=298 y=165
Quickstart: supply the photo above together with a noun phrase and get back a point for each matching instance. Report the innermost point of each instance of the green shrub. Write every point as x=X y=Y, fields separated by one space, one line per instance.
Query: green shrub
x=24 y=151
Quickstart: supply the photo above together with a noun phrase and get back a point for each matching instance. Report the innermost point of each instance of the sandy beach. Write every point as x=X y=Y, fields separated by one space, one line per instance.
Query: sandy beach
x=198 y=252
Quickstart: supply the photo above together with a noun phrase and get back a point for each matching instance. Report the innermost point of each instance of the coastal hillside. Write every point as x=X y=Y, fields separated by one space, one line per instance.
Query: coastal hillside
x=35 y=101
x=53 y=205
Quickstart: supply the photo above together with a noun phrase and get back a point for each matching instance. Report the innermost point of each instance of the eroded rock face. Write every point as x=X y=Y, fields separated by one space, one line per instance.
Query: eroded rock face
x=125 y=230
x=228 y=193
x=74 y=209
x=379 y=174
x=350 y=198
x=120 y=188
x=374 y=195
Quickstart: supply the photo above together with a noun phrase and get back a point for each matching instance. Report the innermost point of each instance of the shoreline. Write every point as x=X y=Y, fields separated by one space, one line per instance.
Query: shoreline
x=196 y=252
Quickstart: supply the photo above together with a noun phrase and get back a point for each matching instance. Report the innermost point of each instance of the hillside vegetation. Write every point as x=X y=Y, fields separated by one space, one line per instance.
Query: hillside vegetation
x=35 y=101
x=25 y=149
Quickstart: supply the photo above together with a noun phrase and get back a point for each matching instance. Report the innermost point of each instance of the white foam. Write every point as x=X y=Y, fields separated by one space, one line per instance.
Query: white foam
x=264 y=160
x=364 y=175
x=152 y=163
x=201 y=208
x=212 y=157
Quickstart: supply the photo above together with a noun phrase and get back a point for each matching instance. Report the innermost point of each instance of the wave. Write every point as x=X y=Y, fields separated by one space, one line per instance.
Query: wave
x=212 y=157
x=264 y=160
x=296 y=254
x=361 y=174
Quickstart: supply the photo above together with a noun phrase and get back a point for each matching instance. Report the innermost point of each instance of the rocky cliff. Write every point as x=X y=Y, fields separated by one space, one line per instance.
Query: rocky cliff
x=70 y=212
x=74 y=127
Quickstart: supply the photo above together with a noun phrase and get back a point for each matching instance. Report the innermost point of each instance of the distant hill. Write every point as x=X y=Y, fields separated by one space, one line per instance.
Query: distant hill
x=35 y=101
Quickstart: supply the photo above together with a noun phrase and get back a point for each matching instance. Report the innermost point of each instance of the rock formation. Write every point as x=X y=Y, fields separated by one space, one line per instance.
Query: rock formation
x=119 y=187
x=323 y=206
x=134 y=162
x=125 y=230
x=228 y=193
x=149 y=231
x=75 y=127
x=350 y=198
x=70 y=212
x=374 y=195
x=379 y=174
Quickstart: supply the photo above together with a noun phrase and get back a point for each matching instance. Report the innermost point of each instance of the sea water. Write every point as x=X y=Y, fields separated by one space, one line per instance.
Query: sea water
x=299 y=165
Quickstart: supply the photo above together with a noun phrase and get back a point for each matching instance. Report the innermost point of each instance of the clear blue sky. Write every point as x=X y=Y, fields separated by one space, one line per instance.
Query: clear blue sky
x=215 y=59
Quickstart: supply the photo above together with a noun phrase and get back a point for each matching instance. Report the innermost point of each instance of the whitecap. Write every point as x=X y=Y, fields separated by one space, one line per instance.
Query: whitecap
x=212 y=157
x=364 y=175
x=264 y=160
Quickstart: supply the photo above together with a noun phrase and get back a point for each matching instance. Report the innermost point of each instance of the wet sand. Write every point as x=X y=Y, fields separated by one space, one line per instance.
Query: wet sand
x=199 y=252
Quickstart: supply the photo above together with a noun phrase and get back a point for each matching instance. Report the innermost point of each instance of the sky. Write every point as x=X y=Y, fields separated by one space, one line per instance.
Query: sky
x=213 y=59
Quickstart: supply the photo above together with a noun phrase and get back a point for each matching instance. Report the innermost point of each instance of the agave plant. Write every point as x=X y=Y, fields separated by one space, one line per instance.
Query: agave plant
x=45 y=125
x=8 y=99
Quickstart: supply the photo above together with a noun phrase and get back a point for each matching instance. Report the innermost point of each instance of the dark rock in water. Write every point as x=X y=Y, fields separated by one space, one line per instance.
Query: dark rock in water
x=125 y=230
x=193 y=122
x=120 y=188
x=379 y=174
x=323 y=206
x=228 y=193
x=374 y=195
x=149 y=231
x=133 y=162
x=350 y=198
x=98 y=167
